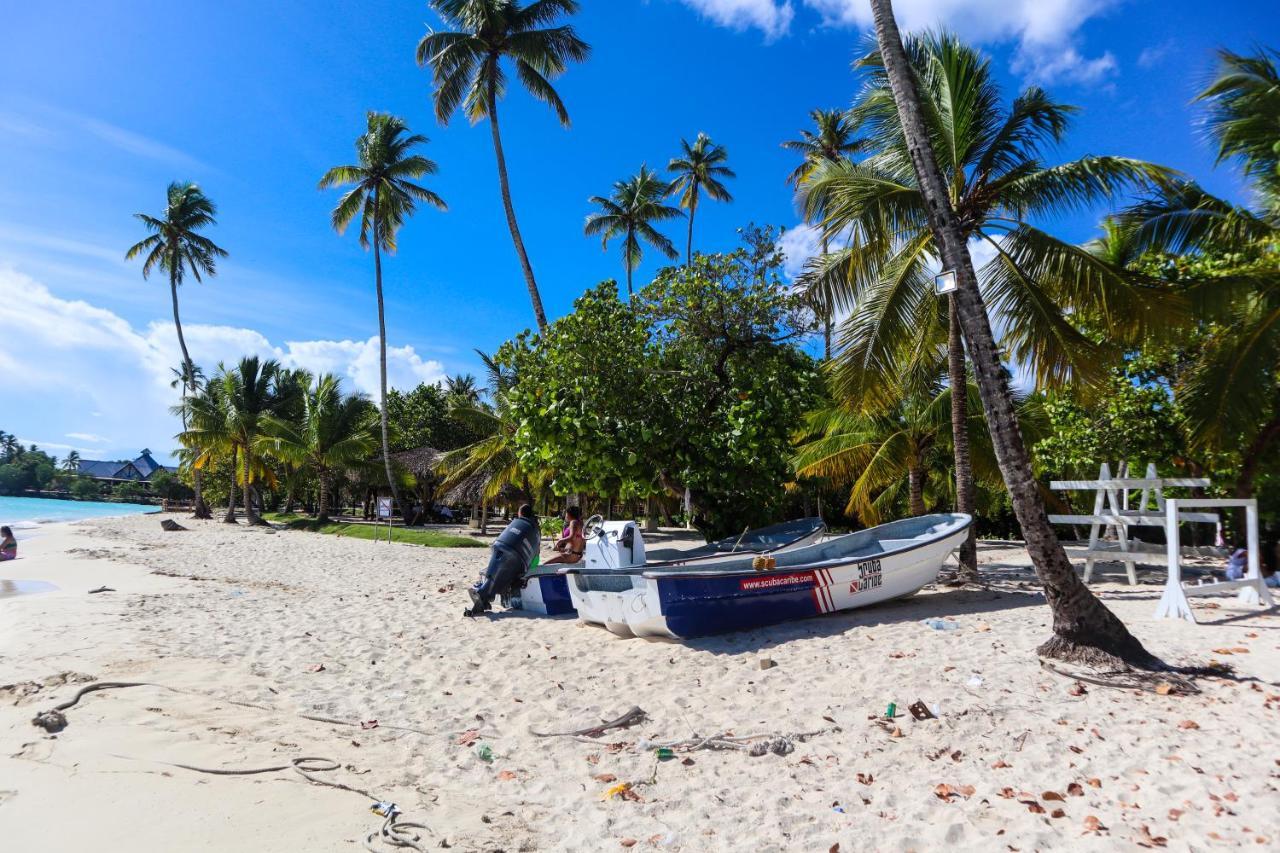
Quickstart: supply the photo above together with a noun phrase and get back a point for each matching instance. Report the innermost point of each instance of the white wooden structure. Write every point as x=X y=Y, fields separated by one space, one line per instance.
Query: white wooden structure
x=1253 y=590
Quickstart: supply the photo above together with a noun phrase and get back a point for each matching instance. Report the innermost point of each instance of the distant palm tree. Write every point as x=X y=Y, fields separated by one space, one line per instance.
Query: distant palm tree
x=72 y=463
x=466 y=68
x=383 y=196
x=207 y=438
x=250 y=398
x=628 y=212
x=698 y=169
x=174 y=247
x=832 y=140
x=462 y=387
x=335 y=430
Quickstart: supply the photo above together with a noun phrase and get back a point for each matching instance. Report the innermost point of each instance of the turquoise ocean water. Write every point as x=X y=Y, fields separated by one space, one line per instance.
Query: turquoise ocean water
x=27 y=514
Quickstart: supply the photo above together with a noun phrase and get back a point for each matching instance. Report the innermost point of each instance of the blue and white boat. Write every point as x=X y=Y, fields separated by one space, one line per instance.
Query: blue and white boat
x=693 y=600
x=619 y=547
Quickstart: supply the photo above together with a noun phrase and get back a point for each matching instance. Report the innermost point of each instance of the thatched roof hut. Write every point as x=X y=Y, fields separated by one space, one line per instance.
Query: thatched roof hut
x=421 y=462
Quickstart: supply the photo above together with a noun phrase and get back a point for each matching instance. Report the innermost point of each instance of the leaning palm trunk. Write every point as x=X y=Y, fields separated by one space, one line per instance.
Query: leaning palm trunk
x=693 y=209
x=201 y=509
x=250 y=512
x=960 y=441
x=514 y=227
x=825 y=316
x=1084 y=630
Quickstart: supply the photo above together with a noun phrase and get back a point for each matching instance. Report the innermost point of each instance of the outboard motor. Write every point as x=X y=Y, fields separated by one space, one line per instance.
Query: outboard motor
x=615 y=545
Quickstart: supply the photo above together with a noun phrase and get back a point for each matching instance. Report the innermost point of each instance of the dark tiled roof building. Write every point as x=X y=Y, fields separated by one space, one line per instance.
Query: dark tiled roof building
x=139 y=470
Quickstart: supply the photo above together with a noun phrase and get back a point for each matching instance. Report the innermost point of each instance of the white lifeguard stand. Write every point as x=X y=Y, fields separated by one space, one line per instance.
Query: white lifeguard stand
x=1174 y=603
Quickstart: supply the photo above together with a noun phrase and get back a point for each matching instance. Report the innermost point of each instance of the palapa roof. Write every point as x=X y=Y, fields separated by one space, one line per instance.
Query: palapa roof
x=418 y=461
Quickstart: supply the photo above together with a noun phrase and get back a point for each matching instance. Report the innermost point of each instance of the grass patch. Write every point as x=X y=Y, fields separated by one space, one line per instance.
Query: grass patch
x=429 y=538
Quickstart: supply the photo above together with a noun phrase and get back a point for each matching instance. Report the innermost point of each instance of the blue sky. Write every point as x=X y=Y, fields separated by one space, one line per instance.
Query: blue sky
x=103 y=104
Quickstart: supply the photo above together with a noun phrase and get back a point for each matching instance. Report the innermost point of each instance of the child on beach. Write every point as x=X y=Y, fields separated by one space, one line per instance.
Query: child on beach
x=8 y=544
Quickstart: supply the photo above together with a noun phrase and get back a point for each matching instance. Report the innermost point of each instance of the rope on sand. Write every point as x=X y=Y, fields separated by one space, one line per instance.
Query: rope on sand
x=392 y=832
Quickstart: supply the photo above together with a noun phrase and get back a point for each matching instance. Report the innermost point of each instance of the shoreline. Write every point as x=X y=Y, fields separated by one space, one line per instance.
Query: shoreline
x=237 y=620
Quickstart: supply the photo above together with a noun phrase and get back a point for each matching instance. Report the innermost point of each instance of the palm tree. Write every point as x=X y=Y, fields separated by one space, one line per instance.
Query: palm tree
x=628 y=212
x=207 y=438
x=996 y=181
x=383 y=195
x=1083 y=628
x=698 y=169
x=250 y=397
x=832 y=140
x=72 y=463
x=466 y=70
x=462 y=386
x=174 y=247
x=1221 y=388
x=334 y=431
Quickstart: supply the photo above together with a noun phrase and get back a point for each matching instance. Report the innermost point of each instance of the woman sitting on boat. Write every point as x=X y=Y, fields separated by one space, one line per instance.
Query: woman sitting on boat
x=572 y=544
x=8 y=544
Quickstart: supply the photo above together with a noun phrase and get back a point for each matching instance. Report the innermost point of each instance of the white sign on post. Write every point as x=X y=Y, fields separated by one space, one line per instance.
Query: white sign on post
x=384 y=508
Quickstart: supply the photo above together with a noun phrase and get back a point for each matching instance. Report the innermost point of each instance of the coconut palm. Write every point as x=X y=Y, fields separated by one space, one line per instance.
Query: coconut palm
x=628 y=213
x=72 y=463
x=833 y=139
x=334 y=431
x=1083 y=628
x=1221 y=388
x=383 y=196
x=206 y=438
x=996 y=181
x=175 y=247
x=462 y=386
x=250 y=397
x=466 y=69
x=699 y=168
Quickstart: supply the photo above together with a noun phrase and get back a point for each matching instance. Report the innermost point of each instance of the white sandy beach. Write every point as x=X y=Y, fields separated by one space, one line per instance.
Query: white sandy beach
x=238 y=615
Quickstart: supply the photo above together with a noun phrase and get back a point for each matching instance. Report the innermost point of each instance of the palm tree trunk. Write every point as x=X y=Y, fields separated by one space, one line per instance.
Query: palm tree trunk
x=626 y=262
x=230 y=517
x=534 y=296
x=1251 y=460
x=915 y=490
x=382 y=357
x=960 y=441
x=693 y=208
x=1084 y=630
x=250 y=512
x=201 y=509
x=826 y=318
x=322 y=512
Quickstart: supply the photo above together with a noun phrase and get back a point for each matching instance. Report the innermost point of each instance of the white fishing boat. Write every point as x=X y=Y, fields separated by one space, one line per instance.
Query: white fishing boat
x=855 y=570
x=619 y=547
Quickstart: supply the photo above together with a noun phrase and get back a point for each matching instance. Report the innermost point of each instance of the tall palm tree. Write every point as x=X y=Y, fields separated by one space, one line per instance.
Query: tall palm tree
x=699 y=168
x=174 y=247
x=1084 y=629
x=384 y=195
x=250 y=397
x=833 y=139
x=996 y=181
x=207 y=438
x=628 y=213
x=335 y=430
x=466 y=70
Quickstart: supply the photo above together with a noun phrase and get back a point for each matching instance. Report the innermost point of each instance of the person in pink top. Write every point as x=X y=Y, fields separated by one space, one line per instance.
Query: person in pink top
x=572 y=544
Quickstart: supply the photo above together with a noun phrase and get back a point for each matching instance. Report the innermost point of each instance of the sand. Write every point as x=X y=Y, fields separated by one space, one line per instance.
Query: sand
x=233 y=618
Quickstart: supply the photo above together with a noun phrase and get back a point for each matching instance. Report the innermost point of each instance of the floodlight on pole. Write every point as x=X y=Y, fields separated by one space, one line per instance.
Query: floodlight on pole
x=945 y=282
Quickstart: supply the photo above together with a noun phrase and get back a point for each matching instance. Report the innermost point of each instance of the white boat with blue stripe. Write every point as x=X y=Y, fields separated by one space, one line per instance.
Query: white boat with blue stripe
x=855 y=570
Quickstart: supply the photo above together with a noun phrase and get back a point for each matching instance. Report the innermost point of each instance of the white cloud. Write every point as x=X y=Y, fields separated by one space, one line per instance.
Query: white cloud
x=1152 y=56
x=72 y=369
x=1045 y=31
x=770 y=17
x=799 y=244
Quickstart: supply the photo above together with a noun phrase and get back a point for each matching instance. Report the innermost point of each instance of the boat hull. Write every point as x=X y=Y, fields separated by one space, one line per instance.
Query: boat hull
x=700 y=603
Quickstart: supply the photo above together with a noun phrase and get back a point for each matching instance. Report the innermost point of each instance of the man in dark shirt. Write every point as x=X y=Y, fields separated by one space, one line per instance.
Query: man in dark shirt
x=513 y=553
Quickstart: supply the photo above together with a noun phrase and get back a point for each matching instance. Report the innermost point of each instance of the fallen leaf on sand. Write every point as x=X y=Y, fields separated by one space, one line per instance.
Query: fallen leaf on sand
x=1077 y=689
x=1094 y=783
x=1058 y=813
x=1092 y=824
x=966 y=790
x=468 y=737
x=897 y=732
x=688 y=762
x=605 y=778
x=1252 y=635
x=316 y=667
x=834 y=848
x=1007 y=793
x=1174 y=814
x=1075 y=790
x=593 y=758
x=944 y=792
x=1035 y=808
x=1222 y=651
x=1240 y=650
x=1188 y=724
x=982 y=626
x=866 y=778
x=506 y=775
x=1001 y=765
x=628 y=842
x=1053 y=795
x=1149 y=840
x=1164 y=689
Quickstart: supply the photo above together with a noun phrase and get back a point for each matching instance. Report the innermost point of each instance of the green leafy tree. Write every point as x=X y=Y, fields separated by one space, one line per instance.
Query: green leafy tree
x=86 y=489
x=175 y=247
x=334 y=430
x=628 y=213
x=467 y=72
x=383 y=196
x=700 y=168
